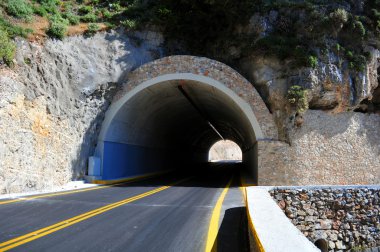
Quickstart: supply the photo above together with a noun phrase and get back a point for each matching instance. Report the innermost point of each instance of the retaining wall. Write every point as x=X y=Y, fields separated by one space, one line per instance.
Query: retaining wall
x=348 y=218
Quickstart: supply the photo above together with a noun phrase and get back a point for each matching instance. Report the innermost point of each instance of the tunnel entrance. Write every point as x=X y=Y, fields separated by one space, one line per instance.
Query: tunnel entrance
x=170 y=113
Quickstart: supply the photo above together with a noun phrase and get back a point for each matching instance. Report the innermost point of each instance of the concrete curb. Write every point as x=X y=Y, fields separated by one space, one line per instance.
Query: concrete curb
x=129 y=179
x=71 y=186
x=270 y=229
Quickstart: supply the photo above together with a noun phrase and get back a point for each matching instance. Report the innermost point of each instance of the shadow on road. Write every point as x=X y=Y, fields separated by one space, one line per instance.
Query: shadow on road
x=233 y=232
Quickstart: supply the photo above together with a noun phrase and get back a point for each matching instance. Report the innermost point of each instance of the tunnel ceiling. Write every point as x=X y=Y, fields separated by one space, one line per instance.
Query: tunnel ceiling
x=160 y=116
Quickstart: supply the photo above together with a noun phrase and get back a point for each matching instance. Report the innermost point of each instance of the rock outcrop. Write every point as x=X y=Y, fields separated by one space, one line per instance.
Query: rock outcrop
x=330 y=87
x=53 y=103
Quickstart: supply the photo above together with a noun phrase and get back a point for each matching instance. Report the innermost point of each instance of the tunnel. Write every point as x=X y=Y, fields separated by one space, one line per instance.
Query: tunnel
x=169 y=122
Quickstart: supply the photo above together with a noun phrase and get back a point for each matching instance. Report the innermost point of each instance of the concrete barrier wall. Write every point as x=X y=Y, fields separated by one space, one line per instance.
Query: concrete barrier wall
x=271 y=230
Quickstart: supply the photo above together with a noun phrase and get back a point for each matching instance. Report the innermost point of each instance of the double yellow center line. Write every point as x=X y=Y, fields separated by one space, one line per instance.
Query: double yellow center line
x=103 y=186
x=69 y=222
x=211 y=242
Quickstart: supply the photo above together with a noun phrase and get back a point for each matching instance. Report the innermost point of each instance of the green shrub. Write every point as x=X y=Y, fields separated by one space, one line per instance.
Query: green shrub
x=92 y=28
x=7 y=48
x=313 y=61
x=50 y=6
x=13 y=30
x=20 y=9
x=350 y=54
x=338 y=47
x=85 y=10
x=109 y=25
x=66 y=6
x=359 y=63
x=49 y=2
x=89 y=18
x=358 y=249
x=57 y=26
x=375 y=13
x=163 y=12
x=339 y=16
x=128 y=23
x=73 y=19
x=40 y=10
x=359 y=27
x=106 y=14
x=297 y=96
x=115 y=7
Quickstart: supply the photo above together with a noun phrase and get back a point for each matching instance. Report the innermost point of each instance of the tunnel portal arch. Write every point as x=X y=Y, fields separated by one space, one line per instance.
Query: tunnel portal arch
x=151 y=125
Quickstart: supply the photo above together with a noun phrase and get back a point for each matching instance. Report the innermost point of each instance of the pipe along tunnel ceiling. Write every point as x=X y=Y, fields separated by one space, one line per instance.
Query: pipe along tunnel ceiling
x=163 y=127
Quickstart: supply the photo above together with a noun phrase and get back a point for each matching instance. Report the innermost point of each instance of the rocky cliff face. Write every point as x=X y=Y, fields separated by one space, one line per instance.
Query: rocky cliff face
x=53 y=102
x=330 y=88
x=337 y=79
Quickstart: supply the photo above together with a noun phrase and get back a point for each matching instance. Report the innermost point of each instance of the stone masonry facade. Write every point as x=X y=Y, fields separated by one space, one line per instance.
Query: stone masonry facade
x=347 y=218
x=328 y=149
x=212 y=69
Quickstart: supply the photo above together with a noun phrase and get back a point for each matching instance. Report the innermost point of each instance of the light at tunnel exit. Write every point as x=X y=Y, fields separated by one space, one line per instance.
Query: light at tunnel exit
x=225 y=151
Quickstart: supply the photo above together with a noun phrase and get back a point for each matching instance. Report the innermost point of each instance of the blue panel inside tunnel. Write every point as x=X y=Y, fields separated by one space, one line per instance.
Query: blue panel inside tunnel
x=125 y=160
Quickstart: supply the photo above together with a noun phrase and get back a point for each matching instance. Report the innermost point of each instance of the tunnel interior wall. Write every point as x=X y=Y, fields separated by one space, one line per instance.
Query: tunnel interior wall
x=250 y=163
x=125 y=160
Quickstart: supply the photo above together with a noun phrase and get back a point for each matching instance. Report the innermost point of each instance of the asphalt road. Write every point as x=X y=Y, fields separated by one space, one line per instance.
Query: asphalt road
x=149 y=215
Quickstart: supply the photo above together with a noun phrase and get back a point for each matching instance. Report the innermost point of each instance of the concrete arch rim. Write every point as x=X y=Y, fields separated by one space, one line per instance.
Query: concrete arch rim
x=246 y=108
